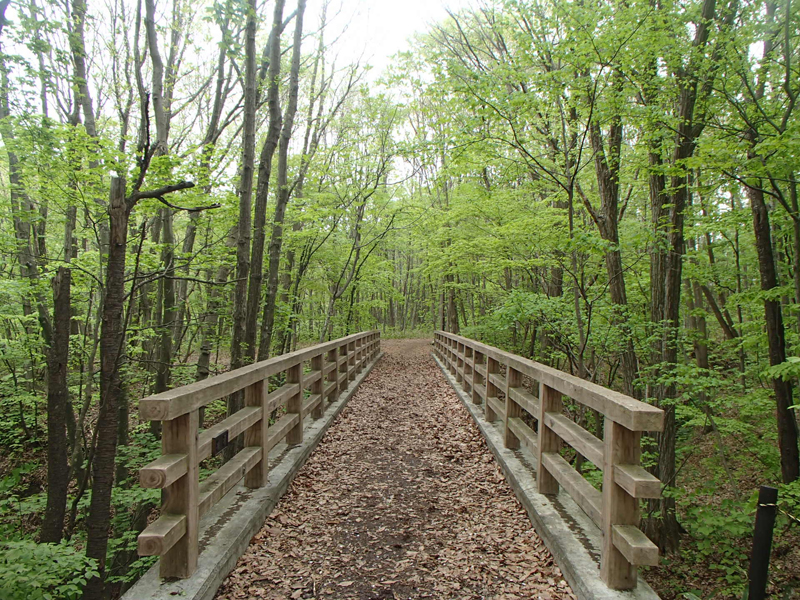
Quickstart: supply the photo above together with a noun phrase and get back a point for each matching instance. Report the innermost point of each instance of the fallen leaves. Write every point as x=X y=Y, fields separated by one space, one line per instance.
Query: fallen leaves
x=401 y=499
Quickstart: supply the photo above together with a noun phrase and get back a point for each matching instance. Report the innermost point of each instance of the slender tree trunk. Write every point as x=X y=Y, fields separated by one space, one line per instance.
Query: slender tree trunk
x=276 y=240
x=111 y=344
x=57 y=408
x=262 y=191
x=776 y=337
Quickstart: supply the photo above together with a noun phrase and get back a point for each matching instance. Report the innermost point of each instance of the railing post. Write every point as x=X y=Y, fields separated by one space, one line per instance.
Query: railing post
x=460 y=362
x=513 y=410
x=467 y=382
x=179 y=436
x=295 y=404
x=492 y=368
x=256 y=435
x=333 y=375
x=351 y=361
x=317 y=387
x=549 y=401
x=477 y=378
x=342 y=368
x=622 y=446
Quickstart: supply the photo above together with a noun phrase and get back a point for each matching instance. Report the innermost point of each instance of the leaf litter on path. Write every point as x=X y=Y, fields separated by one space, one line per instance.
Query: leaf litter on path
x=401 y=499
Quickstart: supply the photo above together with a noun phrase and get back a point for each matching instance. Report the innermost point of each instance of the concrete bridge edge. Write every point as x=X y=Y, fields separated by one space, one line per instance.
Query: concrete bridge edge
x=572 y=538
x=226 y=531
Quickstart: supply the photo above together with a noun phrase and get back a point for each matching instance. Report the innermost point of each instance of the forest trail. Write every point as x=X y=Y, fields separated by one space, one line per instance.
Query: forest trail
x=402 y=499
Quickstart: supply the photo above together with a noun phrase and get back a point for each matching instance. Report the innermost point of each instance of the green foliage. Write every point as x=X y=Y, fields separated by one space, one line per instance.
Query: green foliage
x=720 y=539
x=31 y=571
x=787 y=371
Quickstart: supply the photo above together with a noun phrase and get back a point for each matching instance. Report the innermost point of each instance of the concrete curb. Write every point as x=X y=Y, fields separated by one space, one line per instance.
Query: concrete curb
x=572 y=538
x=226 y=531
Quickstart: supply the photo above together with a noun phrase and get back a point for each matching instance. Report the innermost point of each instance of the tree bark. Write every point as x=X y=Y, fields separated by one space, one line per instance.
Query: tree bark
x=111 y=344
x=283 y=193
x=57 y=407
x=776 y=337
x=274 y=137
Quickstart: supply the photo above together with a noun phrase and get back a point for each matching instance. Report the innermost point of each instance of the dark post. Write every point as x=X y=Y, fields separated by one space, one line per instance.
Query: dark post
x=762 y=542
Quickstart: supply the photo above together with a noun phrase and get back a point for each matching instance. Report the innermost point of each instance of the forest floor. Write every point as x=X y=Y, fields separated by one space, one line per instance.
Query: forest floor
x=401 y=499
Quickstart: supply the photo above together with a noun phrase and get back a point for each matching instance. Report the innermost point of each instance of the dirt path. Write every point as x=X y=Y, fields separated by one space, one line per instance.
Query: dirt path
x=402 y=499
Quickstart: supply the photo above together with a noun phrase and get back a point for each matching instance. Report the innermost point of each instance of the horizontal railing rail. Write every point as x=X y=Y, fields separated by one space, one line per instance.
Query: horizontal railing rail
x=477 y=368
x=313 y=376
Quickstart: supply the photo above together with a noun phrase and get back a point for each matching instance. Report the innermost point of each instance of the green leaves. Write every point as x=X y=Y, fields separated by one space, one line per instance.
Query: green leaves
x=787 y=371
x=31 y=571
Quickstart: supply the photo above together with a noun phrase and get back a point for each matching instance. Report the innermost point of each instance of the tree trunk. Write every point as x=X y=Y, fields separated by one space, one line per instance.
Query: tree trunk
x=262 y=191
x=776 y=337
x=57 y=407
x=276 y=240
x=111 y=344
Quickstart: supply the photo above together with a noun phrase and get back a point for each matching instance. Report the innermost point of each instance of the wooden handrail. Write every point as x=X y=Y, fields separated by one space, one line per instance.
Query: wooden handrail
x=476 y=368
x=174 y=535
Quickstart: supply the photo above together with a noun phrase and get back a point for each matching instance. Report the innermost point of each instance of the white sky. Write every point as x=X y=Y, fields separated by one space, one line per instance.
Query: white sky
x=378 y=29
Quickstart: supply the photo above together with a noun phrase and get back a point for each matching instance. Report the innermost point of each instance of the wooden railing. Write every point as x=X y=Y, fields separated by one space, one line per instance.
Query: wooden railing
x=615 y=510
x=174 y=535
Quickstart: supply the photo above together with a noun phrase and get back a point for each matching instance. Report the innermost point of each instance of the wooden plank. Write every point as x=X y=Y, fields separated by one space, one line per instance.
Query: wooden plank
x=581 y=491
x=627 y=411
x=278 y=431
x=226 y=477
x=492 y=367
x=312 y=403
x=524 y=434
x=311 y=377
x=172 y=403
x=294 y=405
x=577 y=437
x=498 y=381
x=477 y=383
x=549 y=441
x=316 y=389
x=179 y=436
x=162 y=472
x=622 y=446
x=234 y=425
x=330 y=366
x=161 y=535
x=637 y=482
x=525 y=399
x=497 y=407
x=255 y=436
x=280 y=395
x=512 y=409
x=459 y=362
x=342 y=362
x=634 y=545
x=481 y=370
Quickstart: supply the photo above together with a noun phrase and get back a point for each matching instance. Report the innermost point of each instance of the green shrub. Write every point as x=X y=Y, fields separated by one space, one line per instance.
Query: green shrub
x=31 y=571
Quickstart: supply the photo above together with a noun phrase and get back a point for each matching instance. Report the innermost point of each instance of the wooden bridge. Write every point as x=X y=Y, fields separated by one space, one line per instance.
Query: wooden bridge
x=526 y=411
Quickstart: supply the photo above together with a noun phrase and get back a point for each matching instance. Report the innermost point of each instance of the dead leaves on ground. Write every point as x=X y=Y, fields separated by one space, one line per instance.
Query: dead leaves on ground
x=402 y=499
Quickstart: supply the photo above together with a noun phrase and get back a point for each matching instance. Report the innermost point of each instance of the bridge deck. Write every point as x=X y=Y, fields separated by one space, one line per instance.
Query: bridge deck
x=402 y=499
